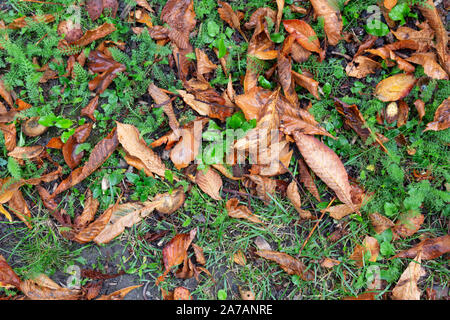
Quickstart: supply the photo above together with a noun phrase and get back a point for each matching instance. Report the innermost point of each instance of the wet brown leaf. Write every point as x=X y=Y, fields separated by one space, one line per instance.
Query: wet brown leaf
x=264 y=186
x=175 y=251
x=72 y=31
x=239 y=258
x=379 y=222
x=329 y=263
x=160 y=97
x=32 y=127
x=43 y=288
x=5 y=94
x=252 y=102
x=420 y=107
x=232 y=18
x=209 y=182
x=406 y=288
x=9 y=134
x=395 y=87
x=186 y=150
x=307 y=180
x=287 y=263
x=240 y=211
x=69 y=150
x=389 y=4
x=429 y=248
x=90 y=209
x=304 y=35
x=94 y=8
x=308 y=83
x=95 y=34
x=328 y=9
x=98 y=155
x=8 y=278
x=441 y=119
x=199 y=256
x=19 y=207
x=88 y=111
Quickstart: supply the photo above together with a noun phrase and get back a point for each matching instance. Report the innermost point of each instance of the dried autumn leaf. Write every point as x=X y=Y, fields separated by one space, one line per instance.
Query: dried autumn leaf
x=307 y=82
x=371 y=245
x=304 y=35
x=379 y=222
x=429 y=248
x=287 y=263
x=329 y=263
x=229 y=16
x=430 y=13
x=9 y=134
x=5 y=94
x=94 y=8
x=95 y=34
x=362 y=296
x=395 y=87
x=328 y=9
x=8 y=278
x=88 y=111
x=98 y=155
x=361 y=66
x=206 y=109
x=110 y=7
x=406 y=288
x=109 y=68
x=209 y=182
x=43 y=288
x=246 y=294
x=175 y=251
x=252 y=102
x=129 y=137
x=294 y=196
x=160 y=97
x=19 y=207
x=22 y=21
x=284 y=69
x=181 y=293
x=420 y=107
x=264 y=186
x=90 y=209
x=407 y=225
x=186 y=150
x=119 y=294
x=26 y=152
x=239 y=258
x=240 y=211
x=423 y=37
x=204 y=65
x=430 y=66
x=441 y=119
x=307 y=180
x=325 y=163
x=389 y=4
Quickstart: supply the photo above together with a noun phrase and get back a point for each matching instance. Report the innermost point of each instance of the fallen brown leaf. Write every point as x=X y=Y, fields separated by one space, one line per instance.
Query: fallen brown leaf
x=287 y=263
x=441 y=119
x=406 y=288
x=240 y=211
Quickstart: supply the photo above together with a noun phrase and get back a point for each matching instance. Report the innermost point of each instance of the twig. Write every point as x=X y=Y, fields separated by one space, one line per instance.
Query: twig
x=346 y=56
x=315 y=226
x=239 y=193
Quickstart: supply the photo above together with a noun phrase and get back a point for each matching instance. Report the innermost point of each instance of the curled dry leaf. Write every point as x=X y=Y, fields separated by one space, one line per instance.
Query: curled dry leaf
x=420 y=107
x=240 y=211
x=209 y=182
x=119 y=294
x=441 y=119
x=32 y=127
x=395 y=87
x=181 y=293
x=19 y=207
x=211 y=110
x=307 y=82
x=361 y=66
x=43 y=288
x=199 y=256
x=287 y=263
x=69 y=150
x=109 y=68
x=175 y=251
x=168 y=203
x=328 y=9
x=98 y=155
x=406 y=288
x=429 y=248
x=294 y=196
x=371 y=245
x=379 y=222
x=26 y=152
x=430 y=66
x=264 y=186
x=252 y=102
x=325 y=163
x=8 y=278
x=90 y=209
x=129 y=137
x=5 y=94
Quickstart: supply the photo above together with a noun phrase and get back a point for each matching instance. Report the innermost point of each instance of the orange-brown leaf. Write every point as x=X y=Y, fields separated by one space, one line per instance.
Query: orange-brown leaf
x=287 y=263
